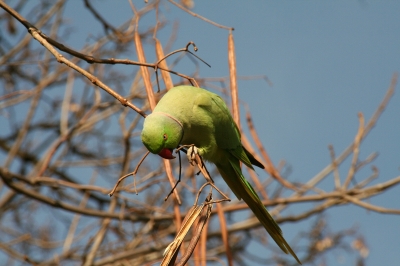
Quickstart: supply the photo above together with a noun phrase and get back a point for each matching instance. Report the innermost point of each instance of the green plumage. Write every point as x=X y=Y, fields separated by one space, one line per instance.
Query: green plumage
x=188 y=115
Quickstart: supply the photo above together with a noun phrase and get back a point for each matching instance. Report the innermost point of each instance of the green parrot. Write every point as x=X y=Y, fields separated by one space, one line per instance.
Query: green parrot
x=188 y=115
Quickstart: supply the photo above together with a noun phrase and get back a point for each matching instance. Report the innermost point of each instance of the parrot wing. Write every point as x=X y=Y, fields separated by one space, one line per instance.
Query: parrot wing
x=228 y=136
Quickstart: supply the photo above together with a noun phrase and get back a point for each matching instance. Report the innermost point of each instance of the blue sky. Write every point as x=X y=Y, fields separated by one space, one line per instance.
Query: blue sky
x=327 y=60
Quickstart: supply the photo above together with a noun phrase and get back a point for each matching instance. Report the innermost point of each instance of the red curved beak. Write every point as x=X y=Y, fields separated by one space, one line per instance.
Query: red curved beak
x=166 y=154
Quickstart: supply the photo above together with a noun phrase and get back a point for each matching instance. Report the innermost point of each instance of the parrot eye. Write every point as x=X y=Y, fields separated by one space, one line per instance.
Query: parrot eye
x=165 y=136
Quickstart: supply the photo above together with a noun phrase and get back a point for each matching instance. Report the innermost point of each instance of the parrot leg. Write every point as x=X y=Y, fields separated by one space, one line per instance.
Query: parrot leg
x=191 y=154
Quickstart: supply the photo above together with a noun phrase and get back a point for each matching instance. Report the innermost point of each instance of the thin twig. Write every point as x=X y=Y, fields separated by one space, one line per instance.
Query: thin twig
x=270 y=168
x=125 y=176
x=200 y=17
x=224 y=233
x=356 y=151
x=336 y=175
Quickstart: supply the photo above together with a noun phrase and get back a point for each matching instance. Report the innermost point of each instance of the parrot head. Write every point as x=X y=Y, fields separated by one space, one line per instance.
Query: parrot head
x=161 y=134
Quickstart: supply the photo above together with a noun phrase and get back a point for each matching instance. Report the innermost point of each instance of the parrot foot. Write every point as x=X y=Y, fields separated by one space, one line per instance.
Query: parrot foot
x=191 y=154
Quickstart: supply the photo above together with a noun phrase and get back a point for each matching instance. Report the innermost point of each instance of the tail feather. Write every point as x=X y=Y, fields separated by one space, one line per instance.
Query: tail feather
x=233 y=176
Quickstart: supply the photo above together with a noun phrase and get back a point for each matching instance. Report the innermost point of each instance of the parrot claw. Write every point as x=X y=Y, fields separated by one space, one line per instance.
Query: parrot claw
x=191 y=154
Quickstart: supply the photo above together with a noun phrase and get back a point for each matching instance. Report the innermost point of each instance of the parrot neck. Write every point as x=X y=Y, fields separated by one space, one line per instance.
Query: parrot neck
x=170 y=116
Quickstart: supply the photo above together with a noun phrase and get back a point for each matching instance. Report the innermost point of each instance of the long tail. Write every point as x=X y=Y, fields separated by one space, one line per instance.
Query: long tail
x=233 y=176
